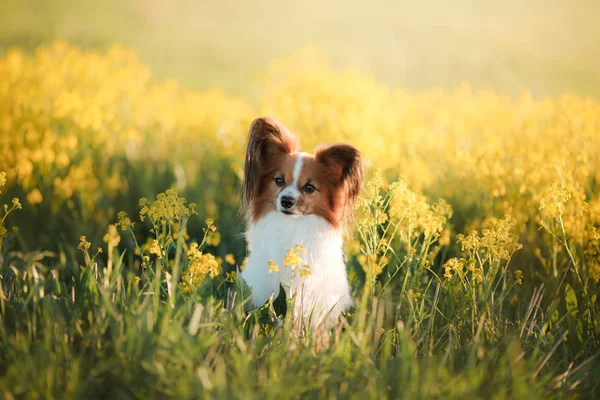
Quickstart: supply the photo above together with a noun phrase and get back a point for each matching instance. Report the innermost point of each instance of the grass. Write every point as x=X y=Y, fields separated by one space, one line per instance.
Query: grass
x=93 y=332
x=121 y=326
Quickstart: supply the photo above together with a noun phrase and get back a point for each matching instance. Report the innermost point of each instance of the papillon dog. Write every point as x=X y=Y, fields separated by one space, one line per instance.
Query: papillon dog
x=291 y=198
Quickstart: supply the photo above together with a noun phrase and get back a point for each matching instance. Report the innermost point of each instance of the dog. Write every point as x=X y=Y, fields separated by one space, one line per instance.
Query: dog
x=291 y=199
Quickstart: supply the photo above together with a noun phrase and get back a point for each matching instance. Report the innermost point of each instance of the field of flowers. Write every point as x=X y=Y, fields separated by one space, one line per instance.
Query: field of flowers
x=474 y=259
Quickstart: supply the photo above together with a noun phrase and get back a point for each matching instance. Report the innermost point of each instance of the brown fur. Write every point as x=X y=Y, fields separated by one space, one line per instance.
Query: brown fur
x=345 y=177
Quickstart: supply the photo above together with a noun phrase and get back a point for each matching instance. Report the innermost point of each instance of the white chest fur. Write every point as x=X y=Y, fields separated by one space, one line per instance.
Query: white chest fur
x=323 y=294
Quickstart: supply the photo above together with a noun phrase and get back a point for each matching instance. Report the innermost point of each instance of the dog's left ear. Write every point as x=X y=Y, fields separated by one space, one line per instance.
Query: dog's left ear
x=345 y=163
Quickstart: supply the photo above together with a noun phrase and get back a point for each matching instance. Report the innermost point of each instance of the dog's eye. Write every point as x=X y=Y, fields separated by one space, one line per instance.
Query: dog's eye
x=309 y=188
x=279 y=181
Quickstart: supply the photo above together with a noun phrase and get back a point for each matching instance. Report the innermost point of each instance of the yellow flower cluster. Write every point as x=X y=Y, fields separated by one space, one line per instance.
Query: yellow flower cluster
x=85 y=246
x=155 y=248
x=570 y=221
x=231 y=276
x=16 y=205
x=67 y=114
x=294 y=261
x=272 y=266
x=392 y=217
x=373 y=264
x=124 y=222
x=519 y=276
x=168 y=208
x=112 y=237
x=485 y=254
x=230 y=259
x=2 y=179
x=200 y=265
x=491 y=154
x=453 y=266
x=496 y=244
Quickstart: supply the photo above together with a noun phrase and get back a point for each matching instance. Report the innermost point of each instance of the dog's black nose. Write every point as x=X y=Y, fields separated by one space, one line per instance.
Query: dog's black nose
x=287 y=202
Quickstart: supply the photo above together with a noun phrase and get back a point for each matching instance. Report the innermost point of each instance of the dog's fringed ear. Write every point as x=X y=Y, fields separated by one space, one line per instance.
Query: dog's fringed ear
x=345 y=164
x=268 y=140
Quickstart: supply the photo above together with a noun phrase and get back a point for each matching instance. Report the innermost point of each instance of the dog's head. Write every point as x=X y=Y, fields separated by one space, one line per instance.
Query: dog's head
x=278 y=178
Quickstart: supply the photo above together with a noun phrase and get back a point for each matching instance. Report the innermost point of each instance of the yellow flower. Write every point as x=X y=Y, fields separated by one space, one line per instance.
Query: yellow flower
x=299 y=248
x=273 y=267
x=168 y=208
x=16 y=203
x=231 y=276
x=62 y=160
x=352 y=247
x=112 y=237
x=372 y=265
x=210 y=224
x=34 y=197
x=83 y=244
x=447 y=272
x=200 y=265
x=230 y=259
x=244 y=262
x=453 y=265
x=362 y=259
x=595 y=270
x=2 y=179
x=382 y=217
x=293 y=258
x=444 y=239
x=519 y=276
x=123 y=221
x=304 y=271
x=213 y=238
x=155 y=248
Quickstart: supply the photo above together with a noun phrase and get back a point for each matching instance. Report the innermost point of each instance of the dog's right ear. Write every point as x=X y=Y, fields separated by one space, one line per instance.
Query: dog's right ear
x=268 y=141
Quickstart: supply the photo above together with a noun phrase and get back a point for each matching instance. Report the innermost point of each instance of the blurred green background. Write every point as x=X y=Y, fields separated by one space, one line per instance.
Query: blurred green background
x=549 y=47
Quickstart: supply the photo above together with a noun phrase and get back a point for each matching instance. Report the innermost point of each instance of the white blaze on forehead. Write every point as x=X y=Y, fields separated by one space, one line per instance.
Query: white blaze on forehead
x=292 y=189
x=298 y=168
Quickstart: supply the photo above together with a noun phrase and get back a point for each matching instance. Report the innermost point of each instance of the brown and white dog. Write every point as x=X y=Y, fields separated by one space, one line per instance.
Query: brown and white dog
x=291 y=198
